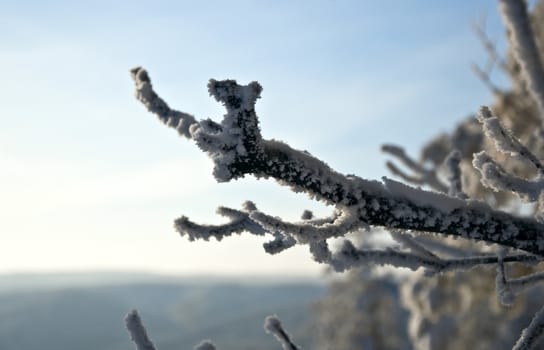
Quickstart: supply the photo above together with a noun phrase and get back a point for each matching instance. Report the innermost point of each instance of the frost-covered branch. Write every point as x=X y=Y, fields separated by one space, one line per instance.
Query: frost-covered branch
x=237 y=149
x=138 y=333
x=516 y=19
x=272 y=325
x=494 y=176
x=349 y=256
x=504 y=141
x=239 y=222
x=532 y=333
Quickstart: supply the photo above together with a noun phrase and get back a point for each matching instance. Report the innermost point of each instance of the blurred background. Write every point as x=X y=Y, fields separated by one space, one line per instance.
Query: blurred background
x=90 y=182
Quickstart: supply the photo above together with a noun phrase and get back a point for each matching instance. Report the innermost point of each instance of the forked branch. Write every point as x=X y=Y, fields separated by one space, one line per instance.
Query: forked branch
x=237 y=149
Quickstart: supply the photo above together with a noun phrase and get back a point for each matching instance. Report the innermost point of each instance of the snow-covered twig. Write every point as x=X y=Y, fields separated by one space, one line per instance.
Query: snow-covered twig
x=504 y=141
x=498 y=179
x=349 y=256
x=532 y=333
x=516 y=19
x=156 y=105
x=306 y=232
x=239 y=222
x=272 y=325
x=138 y=333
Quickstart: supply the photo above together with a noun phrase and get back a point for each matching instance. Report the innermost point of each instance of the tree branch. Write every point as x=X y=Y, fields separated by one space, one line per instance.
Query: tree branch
x=237 y=149
x=516 y=19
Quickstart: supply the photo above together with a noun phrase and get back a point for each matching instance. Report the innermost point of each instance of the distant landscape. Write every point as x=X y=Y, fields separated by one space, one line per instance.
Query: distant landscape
x=86 y=311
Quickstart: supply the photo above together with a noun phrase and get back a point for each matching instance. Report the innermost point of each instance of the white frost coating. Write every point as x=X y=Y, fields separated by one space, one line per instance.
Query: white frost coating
x=156 y=105
x=497 y=179
x=239 y=222
x=532 y=333
x=320 y=252
x=272 y=325
x=516 y=19
x=423 y=198
x=306 y=232
x=205 y=345
x=504 y=141
x=348 y=256
x=279 y=244
x=138 y=333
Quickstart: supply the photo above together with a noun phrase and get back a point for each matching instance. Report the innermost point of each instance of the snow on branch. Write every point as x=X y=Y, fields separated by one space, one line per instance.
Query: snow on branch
x=156 y=105
x=138 y=333
x=349 y=256
x=504 y=141
x=272 y=325
x=518 y=24
x=532 y=333
x=237 y=149
x=239 y=222
x=494 y=176
x=306 y=232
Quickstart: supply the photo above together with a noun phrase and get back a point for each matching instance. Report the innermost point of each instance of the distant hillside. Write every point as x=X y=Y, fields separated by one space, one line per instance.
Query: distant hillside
x=83 y=313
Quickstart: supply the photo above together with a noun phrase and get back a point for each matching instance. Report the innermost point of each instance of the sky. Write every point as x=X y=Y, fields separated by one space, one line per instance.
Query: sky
x=89 y=180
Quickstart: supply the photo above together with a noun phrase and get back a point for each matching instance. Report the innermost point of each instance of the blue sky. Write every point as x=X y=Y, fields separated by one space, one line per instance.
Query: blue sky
x=90 y=180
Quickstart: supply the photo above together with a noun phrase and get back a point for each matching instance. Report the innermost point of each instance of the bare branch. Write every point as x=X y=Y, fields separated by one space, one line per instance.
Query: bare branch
x=485 y=79
x=422 y=176
x=410 y=243
x=516 y=19
x=489 y=46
